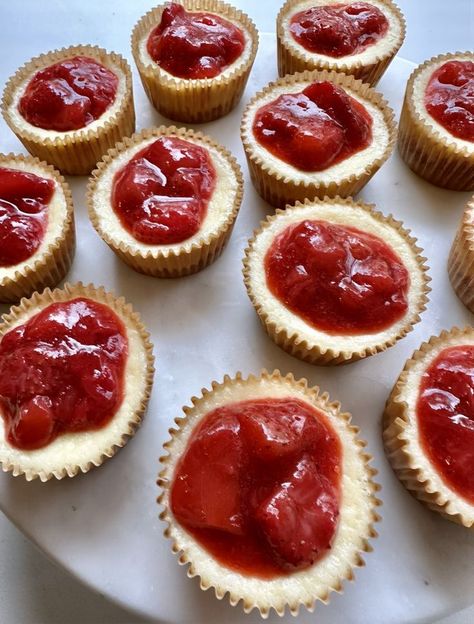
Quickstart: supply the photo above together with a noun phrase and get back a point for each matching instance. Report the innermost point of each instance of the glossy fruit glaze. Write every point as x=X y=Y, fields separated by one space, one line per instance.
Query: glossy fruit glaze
x=68 y=95
x=337 y=278
x=194 y=45
x=339 y=29
x=449 y=98
x=24 y=199
x=161 y=195
x=61 y=372
x=314 y=129
x=445 y=413
x=258 y=485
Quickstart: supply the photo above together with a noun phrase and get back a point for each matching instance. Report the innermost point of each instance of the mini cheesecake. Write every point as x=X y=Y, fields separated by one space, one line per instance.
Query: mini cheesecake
x=428 y=425
x=194 y=58
x=315 y=134
x=335 y=281
x=461 y=258
x=36 y=227
x=76 y=369
x=267 y=493
x=357 y=38
x=68 y=107
x=165 y=201
x=436 y=138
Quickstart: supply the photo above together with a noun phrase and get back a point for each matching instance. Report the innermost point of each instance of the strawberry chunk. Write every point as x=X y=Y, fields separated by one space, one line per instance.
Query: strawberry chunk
x=282 y=429
x=34 y=423
x=207 y=494
x=298 y=519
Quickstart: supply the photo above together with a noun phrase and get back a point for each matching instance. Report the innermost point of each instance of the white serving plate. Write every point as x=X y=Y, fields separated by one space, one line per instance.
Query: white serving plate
x=103 y=527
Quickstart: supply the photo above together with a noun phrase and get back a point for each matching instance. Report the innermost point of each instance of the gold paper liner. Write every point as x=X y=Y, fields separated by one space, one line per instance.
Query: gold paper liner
x=197 y=100
x=167 y=262
x=291 y=61
x=262 y=603
x=124 y=311
x=54 y=263
x=395 y=420
x=288 y=339
x=427 y=153
x=278 y=189
x=76 y=152
x=461 y=258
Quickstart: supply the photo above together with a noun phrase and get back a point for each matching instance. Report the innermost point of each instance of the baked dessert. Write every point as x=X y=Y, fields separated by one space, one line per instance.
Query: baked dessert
x=68 y=107
x=315 y=134
x=76 y=369
x=358 y=38
x=428 y=429
x=461 y=258
x=267 y=493
x=334 y=280
x=165 y=200
x=436 y=137
x=194 y=58
x=37 y=238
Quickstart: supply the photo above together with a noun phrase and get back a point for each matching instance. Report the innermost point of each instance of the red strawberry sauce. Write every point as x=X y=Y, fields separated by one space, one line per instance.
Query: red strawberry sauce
x=161 y=195
x=445 y=412
x=337 y=278
x=194 y=45
x=68 y=95
x=24 y=200
x=314 y=129
x=339 y=29
x=449 y=98
x=62 y=371
x=258 y=485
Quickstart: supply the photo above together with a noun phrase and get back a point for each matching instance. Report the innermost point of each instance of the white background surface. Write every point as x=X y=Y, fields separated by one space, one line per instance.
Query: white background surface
x=33 y=591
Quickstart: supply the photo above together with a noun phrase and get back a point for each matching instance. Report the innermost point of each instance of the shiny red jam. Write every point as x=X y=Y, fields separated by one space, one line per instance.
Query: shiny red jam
x=259 y=486
x=161 y=195
x=339 y=29
x=449 y=98
x=445 y=411
x=338 y=279
x=314 y=129
x=194 y=45
x=61 y=372
x=68 y=95
x=24 y=199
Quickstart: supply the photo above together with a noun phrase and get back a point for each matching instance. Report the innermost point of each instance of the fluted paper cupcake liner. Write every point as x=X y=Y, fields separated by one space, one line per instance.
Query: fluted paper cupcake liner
x=429 y=154
x=292 y=60
x=194 y=100
x=55 y=261
x=20 y=462
x=396 y=419
x=279 y=189
x=312 y=351
x=74 y=152
x=277 y=594
x=461 y=258
x=167 y=262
